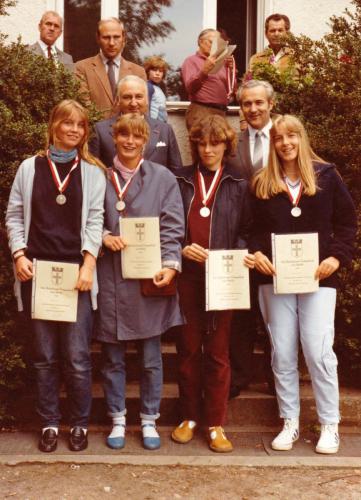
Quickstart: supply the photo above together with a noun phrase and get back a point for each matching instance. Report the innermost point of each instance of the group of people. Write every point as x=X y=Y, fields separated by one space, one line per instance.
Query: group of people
x=67 y=203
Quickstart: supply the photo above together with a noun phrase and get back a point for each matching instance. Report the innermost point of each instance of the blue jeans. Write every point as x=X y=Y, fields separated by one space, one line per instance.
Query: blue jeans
x=62 y=348
x=151 y=381
x=308 y=317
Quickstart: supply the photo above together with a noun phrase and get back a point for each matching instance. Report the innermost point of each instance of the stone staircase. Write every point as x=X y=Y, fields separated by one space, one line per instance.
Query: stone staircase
x=252 y=408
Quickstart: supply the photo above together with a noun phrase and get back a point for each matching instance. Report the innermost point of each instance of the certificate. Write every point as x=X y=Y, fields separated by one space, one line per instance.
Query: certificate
x=141 y=258
x=227 y=280
x=54 y=297
x=295 y=257
x=220 y=49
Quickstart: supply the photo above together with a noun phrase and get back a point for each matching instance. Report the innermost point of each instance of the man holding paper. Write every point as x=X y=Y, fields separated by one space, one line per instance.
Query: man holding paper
x=302 y=199
x=209 y=77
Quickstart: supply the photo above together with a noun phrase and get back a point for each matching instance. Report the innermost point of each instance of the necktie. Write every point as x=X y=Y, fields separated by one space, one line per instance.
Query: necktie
x=50 y=54
x=258 y=151
x=111 y=76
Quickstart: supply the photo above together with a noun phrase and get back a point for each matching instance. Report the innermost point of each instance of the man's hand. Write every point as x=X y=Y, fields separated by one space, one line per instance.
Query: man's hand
x=195 y=252
x=114 y=243
x=24 y=268
x=209 y=64
x=164 y=277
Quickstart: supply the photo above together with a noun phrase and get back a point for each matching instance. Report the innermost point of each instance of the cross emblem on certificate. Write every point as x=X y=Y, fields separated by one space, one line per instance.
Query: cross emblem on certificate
x=140 y=231
x=57 y=275
x=227 y=263
x=296 y=248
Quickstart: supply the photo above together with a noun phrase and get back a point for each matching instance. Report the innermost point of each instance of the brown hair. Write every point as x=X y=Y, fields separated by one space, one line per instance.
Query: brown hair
x=269 y=181
x=278 y=17
x=217 y=129
x=131 y=123
x=61 y=112
x=155 y=62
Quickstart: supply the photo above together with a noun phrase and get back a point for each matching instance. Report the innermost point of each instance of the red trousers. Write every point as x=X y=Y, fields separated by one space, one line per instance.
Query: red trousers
x=203 y=357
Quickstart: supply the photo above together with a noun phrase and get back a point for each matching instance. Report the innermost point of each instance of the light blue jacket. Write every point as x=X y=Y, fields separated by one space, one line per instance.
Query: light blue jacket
x=18 y=215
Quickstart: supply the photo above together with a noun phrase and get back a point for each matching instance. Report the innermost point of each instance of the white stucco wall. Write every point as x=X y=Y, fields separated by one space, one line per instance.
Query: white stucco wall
x=23 y=20
x=309 y=17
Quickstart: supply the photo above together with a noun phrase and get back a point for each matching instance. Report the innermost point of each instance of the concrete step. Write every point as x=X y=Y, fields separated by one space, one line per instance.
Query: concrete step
x=252 y=407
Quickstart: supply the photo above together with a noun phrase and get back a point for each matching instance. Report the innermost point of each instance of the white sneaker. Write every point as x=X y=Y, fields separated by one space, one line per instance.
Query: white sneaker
x=288 y=435
x=329 y=441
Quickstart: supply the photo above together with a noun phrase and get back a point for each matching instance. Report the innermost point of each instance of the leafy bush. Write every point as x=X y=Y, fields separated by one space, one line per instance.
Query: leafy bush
x=30 y=86
x=326 y=95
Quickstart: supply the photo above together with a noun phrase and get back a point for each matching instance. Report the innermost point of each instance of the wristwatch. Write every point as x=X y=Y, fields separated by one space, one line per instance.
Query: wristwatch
x=18 y=254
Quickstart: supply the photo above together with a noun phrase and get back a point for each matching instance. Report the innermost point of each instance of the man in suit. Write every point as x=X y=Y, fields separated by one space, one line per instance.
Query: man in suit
x=99 y=74
x=132 y=97
x=256 y=99
x=50 y=28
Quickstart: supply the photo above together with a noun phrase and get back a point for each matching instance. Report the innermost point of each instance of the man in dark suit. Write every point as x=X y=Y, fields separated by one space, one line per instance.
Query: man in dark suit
x=50 y=28
x=132 y=97
x=256 y=101
x=99 y=74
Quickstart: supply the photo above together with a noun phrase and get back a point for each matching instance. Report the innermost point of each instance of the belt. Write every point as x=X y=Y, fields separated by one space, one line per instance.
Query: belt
x=222 y=107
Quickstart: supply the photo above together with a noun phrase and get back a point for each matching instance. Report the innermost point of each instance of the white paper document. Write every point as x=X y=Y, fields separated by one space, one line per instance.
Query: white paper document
x=54 y=297
x=141 y=258
x=221 y=50
x=227 y=280
x=295 y=257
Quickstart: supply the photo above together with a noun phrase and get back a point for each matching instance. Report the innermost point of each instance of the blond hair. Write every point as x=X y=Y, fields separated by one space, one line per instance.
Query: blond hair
x=269 y=181
x=61 y=112
x=132 y=123
x=216 y=129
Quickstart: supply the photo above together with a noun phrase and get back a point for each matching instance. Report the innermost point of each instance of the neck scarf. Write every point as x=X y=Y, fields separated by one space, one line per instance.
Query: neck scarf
x=59 y=156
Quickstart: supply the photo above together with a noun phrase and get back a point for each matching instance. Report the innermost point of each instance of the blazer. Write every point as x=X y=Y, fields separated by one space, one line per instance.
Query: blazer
x=161 y=148
x=94 y=81
x=241 y=158
x=63 y=57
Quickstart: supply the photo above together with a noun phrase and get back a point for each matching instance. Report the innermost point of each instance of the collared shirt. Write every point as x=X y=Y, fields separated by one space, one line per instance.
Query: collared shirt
x=202 y=87
x=44 y=48
x=265 y=140
x=276 y=57
x=116 y=62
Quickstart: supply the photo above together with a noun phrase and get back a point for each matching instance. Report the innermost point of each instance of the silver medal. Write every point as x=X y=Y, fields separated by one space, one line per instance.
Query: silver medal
x=60 y=199
x=204 y=211
x=120 y=205
x=296 y=211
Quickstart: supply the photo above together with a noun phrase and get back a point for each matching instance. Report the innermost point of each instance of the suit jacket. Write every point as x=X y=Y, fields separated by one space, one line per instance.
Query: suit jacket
x=63 y=57
x=95 y=82
x=241 y=158
x=161 y=148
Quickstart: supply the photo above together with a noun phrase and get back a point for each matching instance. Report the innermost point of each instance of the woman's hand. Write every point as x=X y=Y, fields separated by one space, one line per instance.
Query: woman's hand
x=195 y=252
x=249 y=260
x=24 y=268
x=164 y=277
x=326 y=268
x=263 y=264
x=114 y=243
x=85 y=278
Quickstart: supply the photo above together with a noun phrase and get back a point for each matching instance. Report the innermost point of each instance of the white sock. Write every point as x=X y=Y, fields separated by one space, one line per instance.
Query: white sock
x=148 y=428
x=118 y=429
x=46 y=428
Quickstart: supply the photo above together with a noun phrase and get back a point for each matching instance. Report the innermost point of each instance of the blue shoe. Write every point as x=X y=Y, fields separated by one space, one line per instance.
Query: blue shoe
x=116 y=442
x=151 y=439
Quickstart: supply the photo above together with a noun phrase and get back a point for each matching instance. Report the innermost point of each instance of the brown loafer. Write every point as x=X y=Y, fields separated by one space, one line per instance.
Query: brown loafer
x=218 y=440
x=184 y=432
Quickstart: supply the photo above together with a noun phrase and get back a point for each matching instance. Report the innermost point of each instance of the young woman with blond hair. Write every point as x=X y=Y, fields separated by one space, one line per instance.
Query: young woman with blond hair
x=300 y=193
x=55 y=213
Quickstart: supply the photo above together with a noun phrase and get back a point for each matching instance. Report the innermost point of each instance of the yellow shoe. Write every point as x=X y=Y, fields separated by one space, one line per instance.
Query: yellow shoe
x=218 y=440
x=184 y=432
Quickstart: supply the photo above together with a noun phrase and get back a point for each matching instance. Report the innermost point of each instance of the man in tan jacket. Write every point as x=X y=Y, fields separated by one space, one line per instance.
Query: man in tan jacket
x=99 y=74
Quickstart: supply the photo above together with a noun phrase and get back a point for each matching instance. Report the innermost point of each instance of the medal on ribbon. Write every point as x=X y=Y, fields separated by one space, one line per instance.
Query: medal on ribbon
x=208 y=195
x=121 y=191
x=61 y=185
x=295 y=211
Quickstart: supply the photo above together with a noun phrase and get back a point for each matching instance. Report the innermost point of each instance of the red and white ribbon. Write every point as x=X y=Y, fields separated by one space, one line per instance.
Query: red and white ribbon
x=207 y=195
x=61 y=185
x=121 y=191
x=231 y=78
